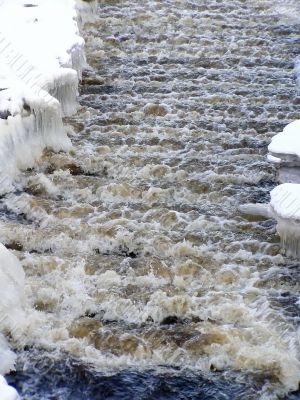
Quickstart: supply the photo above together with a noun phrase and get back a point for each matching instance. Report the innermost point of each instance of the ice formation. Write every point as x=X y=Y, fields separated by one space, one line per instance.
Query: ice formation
x=86 y=10
x=285 y=201
x=285 y=204
x=39 y=73
x=32 y=123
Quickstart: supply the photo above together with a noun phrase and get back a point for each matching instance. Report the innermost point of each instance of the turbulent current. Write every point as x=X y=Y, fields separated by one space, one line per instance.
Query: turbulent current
x=143 y=279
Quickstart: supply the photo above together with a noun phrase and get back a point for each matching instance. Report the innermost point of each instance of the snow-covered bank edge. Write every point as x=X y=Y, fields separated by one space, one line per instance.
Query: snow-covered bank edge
x=39 y=74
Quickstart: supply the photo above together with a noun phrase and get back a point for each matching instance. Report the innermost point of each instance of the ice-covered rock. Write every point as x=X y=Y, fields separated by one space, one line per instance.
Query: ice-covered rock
x=285 y=146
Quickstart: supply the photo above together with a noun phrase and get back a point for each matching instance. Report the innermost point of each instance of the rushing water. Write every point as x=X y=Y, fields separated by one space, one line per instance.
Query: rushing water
x=147 y=282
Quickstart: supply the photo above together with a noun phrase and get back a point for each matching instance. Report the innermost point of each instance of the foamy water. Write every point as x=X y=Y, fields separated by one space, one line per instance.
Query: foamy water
x=135 y=252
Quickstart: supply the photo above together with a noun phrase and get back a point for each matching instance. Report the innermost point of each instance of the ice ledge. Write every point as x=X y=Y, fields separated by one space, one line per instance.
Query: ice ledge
x=39 y=73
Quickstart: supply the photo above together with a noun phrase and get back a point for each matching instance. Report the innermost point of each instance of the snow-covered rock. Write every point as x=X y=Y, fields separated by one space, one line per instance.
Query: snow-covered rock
x=285 y=146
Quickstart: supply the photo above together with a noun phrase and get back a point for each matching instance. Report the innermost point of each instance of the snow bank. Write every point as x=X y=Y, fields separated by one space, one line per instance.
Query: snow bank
x=41 y=60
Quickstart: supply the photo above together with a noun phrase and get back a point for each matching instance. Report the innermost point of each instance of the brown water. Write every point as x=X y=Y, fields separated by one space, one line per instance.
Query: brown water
x=135 y=252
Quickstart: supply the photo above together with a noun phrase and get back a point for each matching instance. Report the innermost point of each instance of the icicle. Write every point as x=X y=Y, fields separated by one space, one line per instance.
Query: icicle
x=289 y=232
x=28 y=130
x=78 y=60
x=63 y=85
x=86 y=11
x=285 y=205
